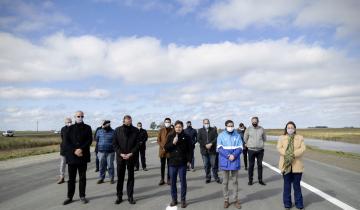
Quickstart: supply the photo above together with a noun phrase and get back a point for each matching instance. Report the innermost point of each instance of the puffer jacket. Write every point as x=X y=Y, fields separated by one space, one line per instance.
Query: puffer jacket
x=229 y=144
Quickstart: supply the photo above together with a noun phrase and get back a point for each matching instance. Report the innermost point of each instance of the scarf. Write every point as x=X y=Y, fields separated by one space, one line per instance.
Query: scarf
x=289 y=155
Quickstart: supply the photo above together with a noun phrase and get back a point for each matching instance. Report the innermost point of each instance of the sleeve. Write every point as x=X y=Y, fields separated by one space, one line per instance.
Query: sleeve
x=280 y=147
x=169 y=146
x=299 y=152
x=158 y=137
x=221 y=149
x=238 y=150
x=199 y=138
x=246 y=136
x=135 y=149
x=115 y=141
x=264 y=135
x=146 y=135
x=214 y=140
x=196 y=137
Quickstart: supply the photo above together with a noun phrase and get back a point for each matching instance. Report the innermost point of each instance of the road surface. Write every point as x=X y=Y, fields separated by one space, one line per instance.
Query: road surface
x=30 y=183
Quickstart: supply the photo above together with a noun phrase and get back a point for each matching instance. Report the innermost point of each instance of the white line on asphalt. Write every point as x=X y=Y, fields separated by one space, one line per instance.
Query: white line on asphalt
x=320 y=193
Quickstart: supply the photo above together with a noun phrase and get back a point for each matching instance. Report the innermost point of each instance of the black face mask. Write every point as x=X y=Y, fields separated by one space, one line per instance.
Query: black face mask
x=107 y=128
x=255 y=124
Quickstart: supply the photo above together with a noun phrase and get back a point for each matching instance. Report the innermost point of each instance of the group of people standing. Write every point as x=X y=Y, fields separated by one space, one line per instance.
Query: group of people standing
x=176 y=152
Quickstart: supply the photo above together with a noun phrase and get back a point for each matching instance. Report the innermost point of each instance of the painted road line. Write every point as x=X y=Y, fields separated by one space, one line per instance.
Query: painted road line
x=318 y=192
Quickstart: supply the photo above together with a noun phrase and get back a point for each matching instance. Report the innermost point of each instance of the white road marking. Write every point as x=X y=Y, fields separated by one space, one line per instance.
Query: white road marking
x=318 y=192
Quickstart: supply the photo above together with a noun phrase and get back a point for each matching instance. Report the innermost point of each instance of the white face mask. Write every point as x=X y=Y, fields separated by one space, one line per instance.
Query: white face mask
x=290 y=131
x=167 y=125
x=79 y=120
x=206 y=126
x=68 y=124
x=230 y=129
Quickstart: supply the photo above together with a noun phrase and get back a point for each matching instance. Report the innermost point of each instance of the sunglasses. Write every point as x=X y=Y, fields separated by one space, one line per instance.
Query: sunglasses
x=80 y=116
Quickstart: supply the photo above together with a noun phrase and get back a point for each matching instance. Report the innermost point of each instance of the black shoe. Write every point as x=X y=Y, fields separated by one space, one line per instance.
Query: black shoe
x=183 y=204
x=131 y=201
x=161 y=182
x=67 y=201
x=250 y=183
x=100 y=181
x=118 y=201
x=218 y=181
x=262 y=183
x=84 y=200
x=145 y=169
x=207 y=181
x=136 y=169
x=112 y=181
x=173 y=203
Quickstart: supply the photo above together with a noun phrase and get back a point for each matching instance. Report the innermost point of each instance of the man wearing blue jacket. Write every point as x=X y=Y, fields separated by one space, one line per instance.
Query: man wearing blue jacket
x=229 y=146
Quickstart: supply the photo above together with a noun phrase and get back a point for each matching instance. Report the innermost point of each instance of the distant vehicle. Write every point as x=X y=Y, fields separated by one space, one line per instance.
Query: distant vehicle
x=8 y=133
x=56 y=132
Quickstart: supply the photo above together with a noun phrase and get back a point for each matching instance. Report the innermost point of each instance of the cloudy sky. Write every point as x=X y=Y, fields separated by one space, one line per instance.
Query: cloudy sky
x=187 y=59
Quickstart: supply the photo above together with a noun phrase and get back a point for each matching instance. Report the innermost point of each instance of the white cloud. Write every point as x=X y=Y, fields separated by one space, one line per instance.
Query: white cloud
x=44 y=93
x=27 y=17
x=241 y=14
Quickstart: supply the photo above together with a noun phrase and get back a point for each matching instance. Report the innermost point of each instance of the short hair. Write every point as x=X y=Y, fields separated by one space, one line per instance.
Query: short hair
x=241 y=125
x=206 y=120
x=256 y=118
x=67 y=119
x=178 y=122
x=127 y=117
x=188 y=122
x=228 y=121
x=167 y=119
x=139 y=123
x=289 y=123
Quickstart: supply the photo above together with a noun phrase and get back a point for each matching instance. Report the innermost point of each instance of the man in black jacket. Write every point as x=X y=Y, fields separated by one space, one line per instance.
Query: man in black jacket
x=77 y=149
x=63 y=132
x=143 y=137
x=192 y=133
x=126 y=146
x=96 y=146
x=207 y=137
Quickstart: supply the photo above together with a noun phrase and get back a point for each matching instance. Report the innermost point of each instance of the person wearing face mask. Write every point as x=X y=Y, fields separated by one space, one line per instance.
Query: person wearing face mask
x=161 y=140
x=126 y=145
x=291 y=148
x=192 y=133
x=106 y=152
x=241 y=131
x=64 y=129
x=96 y=145
x=78 y=139
x=230 y=145
x=179 y=147
x=255 y=138
x=207 y=140
x=143 y=137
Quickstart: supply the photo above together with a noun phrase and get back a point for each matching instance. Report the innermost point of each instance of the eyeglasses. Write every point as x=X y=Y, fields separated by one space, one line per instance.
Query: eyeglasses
x=80 y=116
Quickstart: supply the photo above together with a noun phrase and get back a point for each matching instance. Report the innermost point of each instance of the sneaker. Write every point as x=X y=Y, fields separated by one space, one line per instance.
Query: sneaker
x=100 y=181
x=84 y=200
x=67 y=201
x=261 y=182
x=183 y=204
x=238 y=204
x=118 y=201
x=226 y=204
x=61 y=180
x=173 y=203
x=161 y=182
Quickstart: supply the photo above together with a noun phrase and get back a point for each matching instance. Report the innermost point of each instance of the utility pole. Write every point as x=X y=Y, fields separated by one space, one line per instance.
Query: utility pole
x=37 y=126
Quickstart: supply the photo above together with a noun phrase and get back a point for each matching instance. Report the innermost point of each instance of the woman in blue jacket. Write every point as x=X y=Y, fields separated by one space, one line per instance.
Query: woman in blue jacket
x=229 y=146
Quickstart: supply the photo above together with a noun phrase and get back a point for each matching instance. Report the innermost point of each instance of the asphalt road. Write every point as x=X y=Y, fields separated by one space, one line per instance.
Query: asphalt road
x=31 y=184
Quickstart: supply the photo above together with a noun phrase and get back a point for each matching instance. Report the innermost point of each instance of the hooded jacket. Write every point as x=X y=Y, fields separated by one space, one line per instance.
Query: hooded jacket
x=181 y=153
x=229 y=144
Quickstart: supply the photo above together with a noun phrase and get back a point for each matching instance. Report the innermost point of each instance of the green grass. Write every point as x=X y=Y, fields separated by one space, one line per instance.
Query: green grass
x=23 y=140
x=349 y=135
x=16 y=153
x=323 y=151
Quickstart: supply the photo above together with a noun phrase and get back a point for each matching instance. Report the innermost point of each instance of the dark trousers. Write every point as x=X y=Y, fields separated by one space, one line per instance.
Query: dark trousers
x=245 y=155
x=122 y=165
x=294 y=179
x=209 y=161
x=72 y=170
x=259 y=155
x=141 y=152
x=163 y=164
x=174 y=171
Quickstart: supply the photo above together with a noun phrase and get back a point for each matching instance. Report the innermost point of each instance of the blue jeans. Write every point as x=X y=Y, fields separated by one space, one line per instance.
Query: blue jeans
x=174 y=171
x=209 y=163
x=106 y=159
x=294 y=179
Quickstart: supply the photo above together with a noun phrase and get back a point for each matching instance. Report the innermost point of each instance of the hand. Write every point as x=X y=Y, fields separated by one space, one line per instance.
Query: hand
x=175 y=140
x=78 y=152
x=208 y=146
x=231 y=157
x=123 y=156
x=129 y=155
x=188 y=164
